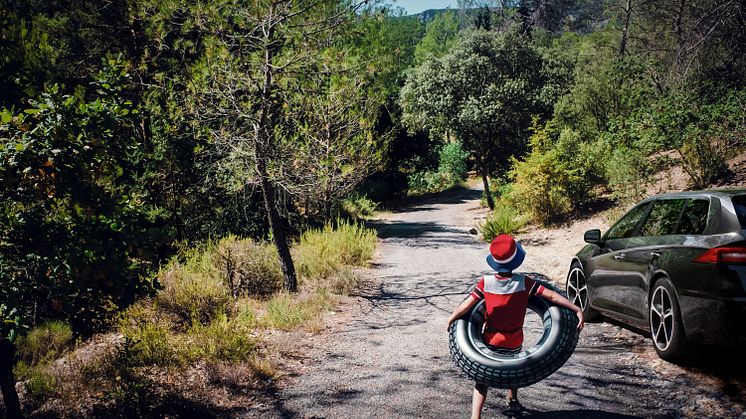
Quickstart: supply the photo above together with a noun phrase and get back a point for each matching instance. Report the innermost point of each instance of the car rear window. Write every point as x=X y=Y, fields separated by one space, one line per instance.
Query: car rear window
x=694 y=218
x=739 y=203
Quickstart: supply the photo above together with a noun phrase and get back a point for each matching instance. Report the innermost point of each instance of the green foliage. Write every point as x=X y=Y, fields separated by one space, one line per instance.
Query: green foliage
x=45 y=343
x=358 y=207
x=452 y=170
x=153 y=340
x=194 y=289
x=452 y=160
x=503 y=220
x=440 y=35
x=75 y=225
x=323 y=252
x=251 y=269
x=287 y=313
x=40 y=384
x=560 y=172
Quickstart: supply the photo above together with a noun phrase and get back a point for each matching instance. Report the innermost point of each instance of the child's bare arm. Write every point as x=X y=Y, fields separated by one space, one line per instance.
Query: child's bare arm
x=558 y=299
x=462 y=309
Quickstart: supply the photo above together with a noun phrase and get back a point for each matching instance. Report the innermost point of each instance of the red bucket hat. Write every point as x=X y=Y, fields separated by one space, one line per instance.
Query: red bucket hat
x=505 y=254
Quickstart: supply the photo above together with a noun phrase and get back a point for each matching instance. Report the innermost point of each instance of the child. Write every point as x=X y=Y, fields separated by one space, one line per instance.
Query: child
x=506 y=298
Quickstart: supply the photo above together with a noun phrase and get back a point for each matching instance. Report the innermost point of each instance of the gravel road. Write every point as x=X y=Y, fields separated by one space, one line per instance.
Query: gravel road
x=388 y=356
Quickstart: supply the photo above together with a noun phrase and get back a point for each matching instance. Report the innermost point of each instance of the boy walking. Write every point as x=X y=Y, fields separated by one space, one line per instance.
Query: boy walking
x=506 y=299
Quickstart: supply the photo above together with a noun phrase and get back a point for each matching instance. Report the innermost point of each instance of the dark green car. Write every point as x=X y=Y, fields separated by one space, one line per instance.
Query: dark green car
x=673 y=265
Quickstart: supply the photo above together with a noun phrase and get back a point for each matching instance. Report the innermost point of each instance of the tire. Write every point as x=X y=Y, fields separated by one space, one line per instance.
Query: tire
x=666 y=328
x=524 y=368
x=576 y=289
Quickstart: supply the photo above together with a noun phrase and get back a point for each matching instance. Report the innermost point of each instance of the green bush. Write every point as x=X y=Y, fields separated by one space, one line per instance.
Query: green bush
x=452 y=160
x=45 y=343
x=40 y=383
x=629 y=172
x=249 y=268
x=194 y=289
x=284 y=312
x=503 y=220
x=559 y=174
x=358 y=207
x=323 y=252
x=223 y=339
x=452 y=170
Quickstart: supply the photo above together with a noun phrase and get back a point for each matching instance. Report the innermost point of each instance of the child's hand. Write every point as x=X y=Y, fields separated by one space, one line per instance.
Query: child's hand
x=581 y=322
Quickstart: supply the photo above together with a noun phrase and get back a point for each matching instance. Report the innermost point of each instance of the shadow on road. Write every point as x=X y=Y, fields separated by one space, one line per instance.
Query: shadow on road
x=456 y=195
x=562 y=414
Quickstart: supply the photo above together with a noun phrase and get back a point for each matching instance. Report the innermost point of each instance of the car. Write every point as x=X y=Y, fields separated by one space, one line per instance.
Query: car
x=674 y=266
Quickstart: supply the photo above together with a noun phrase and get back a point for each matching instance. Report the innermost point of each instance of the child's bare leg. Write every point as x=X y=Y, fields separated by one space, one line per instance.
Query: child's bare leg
x=477 y=400
x=513 y=394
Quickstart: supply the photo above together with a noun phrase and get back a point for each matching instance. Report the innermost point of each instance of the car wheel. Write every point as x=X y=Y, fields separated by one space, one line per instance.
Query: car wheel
x=577 y=292
x=666 y=328
x=529 y=366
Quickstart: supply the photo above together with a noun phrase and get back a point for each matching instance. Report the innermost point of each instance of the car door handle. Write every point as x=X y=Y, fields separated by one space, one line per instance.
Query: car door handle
x=655 y=254
x=620 y=256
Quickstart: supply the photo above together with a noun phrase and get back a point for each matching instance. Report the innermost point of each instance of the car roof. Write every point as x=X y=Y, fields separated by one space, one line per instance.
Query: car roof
x=706 y=192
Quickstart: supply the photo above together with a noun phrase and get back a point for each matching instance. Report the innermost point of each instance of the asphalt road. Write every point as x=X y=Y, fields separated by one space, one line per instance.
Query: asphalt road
x=389 y=358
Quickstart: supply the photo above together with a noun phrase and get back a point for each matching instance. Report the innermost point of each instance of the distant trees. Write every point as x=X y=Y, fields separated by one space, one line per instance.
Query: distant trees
x=483 y=92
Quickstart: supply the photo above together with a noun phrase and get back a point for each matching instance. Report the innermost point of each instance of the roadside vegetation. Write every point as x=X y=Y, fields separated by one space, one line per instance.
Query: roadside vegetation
x=215 y=304
x=150 y=189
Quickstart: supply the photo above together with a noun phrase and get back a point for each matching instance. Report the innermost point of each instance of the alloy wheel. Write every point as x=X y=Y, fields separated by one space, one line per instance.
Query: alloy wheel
x=577 y=290
x=661 y=318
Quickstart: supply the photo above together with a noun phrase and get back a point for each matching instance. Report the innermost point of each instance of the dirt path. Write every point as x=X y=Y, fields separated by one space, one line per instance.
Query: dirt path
x=389 y=357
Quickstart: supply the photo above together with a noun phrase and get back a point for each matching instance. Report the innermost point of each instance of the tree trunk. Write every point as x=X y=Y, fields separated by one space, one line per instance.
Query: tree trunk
x=486 y=183
x=625 y=28
x=279 y=237
x=7 y=381
x=265 y=140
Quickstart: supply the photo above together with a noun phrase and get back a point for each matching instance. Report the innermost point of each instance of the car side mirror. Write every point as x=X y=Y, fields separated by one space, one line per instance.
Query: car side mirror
x=592 y=236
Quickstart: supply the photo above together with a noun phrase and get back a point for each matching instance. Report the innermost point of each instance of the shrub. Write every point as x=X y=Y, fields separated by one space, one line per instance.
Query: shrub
x=248 y=268
x=40 y=383
x=148 y=342
x=628 y=171
x=503 y=220
x=540 y=186
x=286 y=312
x=452 y=170
x=323 y=252
x=358 y=206
x=222 y=340
x=559 y=173
x=45 y=343
x=192 y=293
x=452 y=160
x=193 y=287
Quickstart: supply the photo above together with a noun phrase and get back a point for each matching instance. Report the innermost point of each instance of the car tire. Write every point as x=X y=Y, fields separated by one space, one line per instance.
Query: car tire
x=527 y=367
x=666 y=327
x=576 y=288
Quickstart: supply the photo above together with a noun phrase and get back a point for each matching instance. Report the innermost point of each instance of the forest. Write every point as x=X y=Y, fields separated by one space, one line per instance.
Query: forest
x=179 y=170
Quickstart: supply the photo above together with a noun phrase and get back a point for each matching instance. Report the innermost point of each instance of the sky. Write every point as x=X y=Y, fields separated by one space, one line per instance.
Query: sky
x=417 y=6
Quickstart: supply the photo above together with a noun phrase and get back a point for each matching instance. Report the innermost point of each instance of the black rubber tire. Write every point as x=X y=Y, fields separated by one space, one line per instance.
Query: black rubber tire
x=525 y=368
x=590 y=315
x=680 y=350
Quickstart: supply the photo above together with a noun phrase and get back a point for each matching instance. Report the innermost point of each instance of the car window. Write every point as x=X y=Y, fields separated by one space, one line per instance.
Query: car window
x=663 y=217
x=627 y=225
x=739 y=203
x=694 y=218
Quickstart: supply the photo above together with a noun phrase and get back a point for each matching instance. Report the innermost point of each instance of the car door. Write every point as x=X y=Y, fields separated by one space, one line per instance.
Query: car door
x=643 y=254
x=609 y=266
